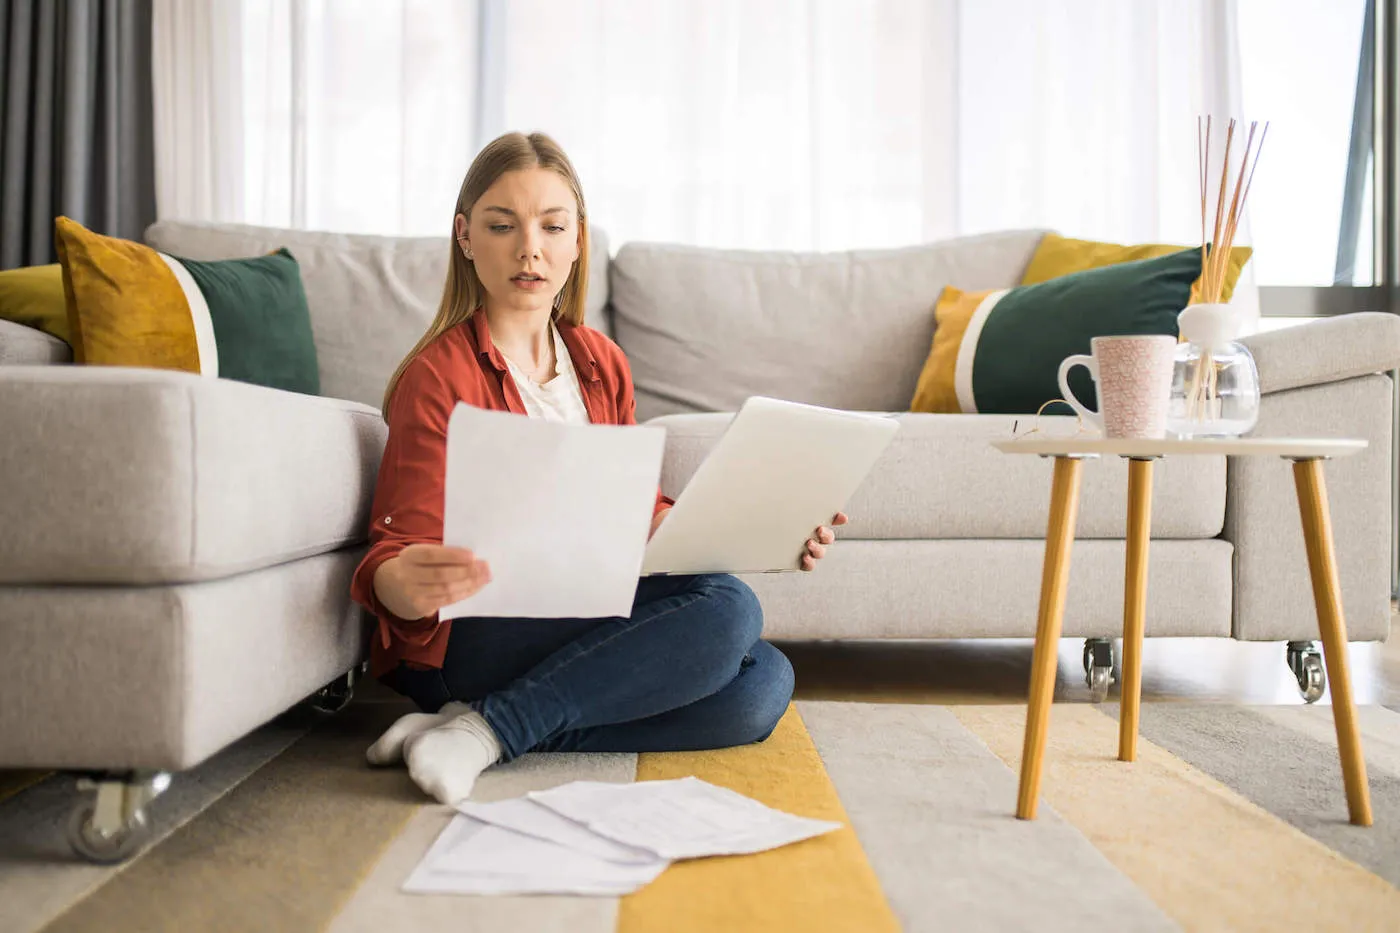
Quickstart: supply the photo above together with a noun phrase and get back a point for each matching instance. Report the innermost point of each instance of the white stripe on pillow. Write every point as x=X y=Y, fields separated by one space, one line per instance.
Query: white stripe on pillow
x=199 y=316
x=967 y=352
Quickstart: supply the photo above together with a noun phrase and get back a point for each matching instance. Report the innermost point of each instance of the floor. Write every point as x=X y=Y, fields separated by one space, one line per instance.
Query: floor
x=994 y=671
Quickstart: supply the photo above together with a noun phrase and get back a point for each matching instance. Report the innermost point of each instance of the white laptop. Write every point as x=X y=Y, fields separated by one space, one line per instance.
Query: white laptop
x=779 y=471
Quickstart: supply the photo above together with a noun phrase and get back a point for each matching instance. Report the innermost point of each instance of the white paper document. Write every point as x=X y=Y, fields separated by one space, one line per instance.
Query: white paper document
x=595 y=838
x=525 y=816
x=561 y=512
x=472 y=857
x=684 y=818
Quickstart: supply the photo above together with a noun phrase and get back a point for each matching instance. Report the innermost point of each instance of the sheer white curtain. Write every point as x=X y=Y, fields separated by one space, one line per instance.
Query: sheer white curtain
x=360 y=112
x=787 y=124
x=836 y=124
x=346 y=115
x=1080 y=115
x=196 y=64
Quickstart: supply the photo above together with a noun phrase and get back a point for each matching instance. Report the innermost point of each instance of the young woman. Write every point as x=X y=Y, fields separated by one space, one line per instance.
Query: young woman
x=686 y=670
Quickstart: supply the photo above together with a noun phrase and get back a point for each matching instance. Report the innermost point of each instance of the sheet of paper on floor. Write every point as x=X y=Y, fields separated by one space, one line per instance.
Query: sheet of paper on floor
x=683 y=818
x=505 y=503
x=524 y=815
x=472 y=857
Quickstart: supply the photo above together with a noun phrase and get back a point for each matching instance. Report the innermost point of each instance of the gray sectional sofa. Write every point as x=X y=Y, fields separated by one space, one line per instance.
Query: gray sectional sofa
x=175 y=565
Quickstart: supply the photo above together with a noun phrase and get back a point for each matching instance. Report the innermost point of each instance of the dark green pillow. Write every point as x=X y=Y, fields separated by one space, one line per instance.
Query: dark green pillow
x=262 y=326
x=1031 y=328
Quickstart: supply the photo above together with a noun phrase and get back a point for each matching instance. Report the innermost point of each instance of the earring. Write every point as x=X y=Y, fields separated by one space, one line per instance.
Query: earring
x=462 y=239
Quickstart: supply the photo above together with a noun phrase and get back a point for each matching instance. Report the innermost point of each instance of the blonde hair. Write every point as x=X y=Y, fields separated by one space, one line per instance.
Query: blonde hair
x=463 y=293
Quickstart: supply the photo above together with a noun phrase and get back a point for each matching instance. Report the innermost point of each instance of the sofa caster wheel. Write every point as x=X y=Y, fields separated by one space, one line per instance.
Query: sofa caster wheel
x=1098 y=667
x=113 y=825
x=336 y=695
x=103 y=847
x=1305 y=661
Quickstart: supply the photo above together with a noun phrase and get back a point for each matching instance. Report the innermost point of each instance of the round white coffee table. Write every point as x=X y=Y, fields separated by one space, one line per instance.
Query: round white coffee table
x=1307 y=455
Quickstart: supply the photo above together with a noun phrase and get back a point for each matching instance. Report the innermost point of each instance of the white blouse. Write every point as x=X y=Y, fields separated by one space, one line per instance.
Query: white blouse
x=559 y=399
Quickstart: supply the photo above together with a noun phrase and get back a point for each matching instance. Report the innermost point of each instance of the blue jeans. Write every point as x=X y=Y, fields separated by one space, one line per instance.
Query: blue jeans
x=685 y=671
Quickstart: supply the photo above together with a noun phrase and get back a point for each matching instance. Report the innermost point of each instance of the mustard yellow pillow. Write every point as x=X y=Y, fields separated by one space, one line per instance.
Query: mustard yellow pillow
x=1057 y=256
x=33 y=296
x=936 y=391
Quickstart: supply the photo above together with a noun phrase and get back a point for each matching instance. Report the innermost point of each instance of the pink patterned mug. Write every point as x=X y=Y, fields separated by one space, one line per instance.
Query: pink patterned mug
x=1133 y=380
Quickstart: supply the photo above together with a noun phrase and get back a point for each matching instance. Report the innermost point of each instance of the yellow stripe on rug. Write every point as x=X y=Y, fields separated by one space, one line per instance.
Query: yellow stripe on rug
x=818 y=884
x=1209 y=857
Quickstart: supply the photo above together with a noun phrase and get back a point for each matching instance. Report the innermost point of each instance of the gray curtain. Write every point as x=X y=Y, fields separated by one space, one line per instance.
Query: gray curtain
x=76 y=123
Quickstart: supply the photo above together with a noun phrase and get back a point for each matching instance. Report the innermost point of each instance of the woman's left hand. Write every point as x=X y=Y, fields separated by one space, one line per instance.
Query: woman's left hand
x=816 y=546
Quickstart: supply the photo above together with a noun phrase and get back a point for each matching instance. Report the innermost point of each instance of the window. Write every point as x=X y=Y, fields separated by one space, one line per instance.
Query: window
x=1299 y=64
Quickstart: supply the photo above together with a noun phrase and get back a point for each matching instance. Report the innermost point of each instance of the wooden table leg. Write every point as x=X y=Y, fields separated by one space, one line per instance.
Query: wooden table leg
x=1134 y=602
x=1322 y=562
x=1059 y=536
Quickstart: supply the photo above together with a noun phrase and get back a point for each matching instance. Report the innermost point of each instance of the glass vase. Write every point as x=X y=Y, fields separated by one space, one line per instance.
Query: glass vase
x=1215 y=384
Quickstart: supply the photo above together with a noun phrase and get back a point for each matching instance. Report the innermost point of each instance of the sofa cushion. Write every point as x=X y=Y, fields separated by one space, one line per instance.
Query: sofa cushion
x=371 y=297
x=704 y=329
x=991 y=589
x=124 y=475
x=25 y=346
x=941 y=478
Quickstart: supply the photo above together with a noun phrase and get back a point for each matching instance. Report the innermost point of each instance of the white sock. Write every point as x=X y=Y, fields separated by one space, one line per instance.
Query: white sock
x=446 y=760
x=388 y=749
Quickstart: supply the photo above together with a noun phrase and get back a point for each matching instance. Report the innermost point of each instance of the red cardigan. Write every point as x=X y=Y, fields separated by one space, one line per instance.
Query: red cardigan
x=462 y=365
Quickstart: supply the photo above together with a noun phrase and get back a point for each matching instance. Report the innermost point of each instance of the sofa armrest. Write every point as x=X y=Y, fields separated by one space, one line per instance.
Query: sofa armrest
x=1273 y=592
x=124 y=475
x=1328 y=350
x=26 y=346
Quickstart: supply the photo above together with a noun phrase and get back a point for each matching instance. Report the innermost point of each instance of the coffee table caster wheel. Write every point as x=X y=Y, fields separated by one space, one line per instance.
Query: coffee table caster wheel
x=1305 y=661
x=1098 y=667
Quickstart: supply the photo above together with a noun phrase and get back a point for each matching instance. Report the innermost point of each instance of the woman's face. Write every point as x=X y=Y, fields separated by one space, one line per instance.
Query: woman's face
x=523 y=238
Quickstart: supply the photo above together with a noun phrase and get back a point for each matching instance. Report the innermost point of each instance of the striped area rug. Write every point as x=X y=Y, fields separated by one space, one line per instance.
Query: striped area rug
x=1233 y=818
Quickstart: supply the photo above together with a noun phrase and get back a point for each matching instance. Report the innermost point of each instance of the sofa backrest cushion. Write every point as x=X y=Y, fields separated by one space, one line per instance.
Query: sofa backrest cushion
x=370 y=297
x=705 y=329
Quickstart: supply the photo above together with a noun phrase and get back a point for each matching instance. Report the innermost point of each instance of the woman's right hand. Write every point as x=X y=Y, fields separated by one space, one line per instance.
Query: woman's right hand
x=422 y=578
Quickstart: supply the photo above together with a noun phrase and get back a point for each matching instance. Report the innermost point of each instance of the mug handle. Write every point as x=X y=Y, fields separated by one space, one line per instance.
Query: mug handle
x=1088 y=362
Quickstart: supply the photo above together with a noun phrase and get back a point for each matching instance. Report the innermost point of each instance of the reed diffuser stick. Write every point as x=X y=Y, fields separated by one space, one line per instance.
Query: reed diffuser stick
x=1232 y=221
x=1250 y=183
x=1203 y=402
x=1202 y=154
x=1212 y=296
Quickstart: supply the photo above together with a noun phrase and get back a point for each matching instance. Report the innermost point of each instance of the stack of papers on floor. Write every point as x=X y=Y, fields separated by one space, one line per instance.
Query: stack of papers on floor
x=597 y=838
